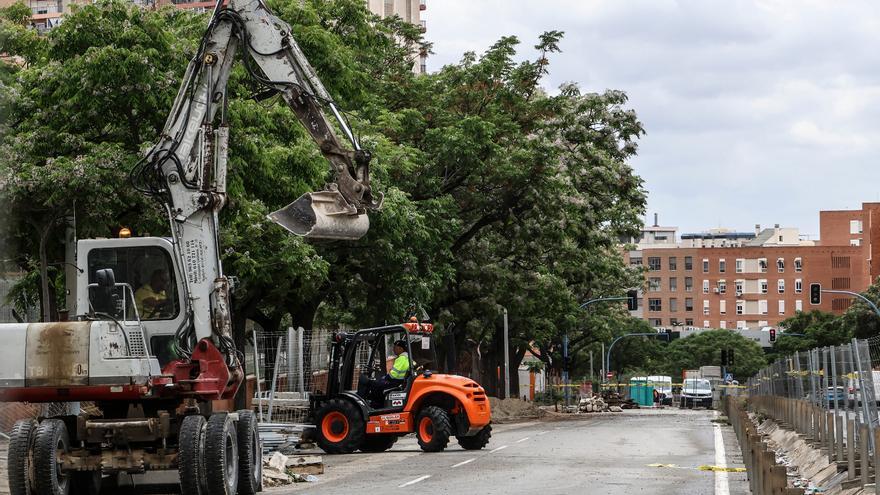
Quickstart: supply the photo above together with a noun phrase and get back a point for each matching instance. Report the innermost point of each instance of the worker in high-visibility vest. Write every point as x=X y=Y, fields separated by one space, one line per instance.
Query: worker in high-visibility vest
x=396 y=376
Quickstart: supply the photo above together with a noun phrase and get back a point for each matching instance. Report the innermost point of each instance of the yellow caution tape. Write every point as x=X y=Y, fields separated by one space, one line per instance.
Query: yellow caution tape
x=663 y=465
x=723 y=469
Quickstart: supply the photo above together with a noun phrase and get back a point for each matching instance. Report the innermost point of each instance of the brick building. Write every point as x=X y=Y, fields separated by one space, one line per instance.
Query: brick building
x=723 y=279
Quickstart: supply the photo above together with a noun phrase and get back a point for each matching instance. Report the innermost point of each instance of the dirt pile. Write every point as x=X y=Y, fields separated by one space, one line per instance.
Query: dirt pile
x=513 y=409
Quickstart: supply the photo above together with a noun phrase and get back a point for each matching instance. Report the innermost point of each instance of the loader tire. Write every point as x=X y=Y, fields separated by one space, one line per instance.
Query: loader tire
x=190 y=458
x=221 y=455
x=433 y=429
x=340 y=427
x=378 y=443
x=478 y=441
x=49 y=479
x=250 y=454
x=21 y=443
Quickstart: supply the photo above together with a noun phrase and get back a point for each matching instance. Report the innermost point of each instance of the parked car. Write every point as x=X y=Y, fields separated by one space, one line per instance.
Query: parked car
x=696 y=392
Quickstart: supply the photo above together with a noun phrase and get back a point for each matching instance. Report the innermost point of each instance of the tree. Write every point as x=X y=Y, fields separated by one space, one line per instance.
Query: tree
x=816 y=329
x=861 y=318
x=704 y=349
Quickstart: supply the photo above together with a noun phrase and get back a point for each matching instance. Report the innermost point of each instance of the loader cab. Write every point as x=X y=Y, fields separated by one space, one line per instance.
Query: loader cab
x=149 y=292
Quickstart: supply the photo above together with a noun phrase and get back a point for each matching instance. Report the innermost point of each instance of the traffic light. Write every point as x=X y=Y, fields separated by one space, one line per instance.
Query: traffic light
x=772 y=335
x=723 y=357
x=632 y=300
x=815 y=293
x=730 y=357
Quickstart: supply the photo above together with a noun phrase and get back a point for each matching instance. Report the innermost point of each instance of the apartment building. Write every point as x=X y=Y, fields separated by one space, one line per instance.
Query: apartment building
x=744 y=280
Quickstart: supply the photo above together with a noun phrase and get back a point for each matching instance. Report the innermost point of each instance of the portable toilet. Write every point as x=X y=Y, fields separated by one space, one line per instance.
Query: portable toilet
x=641 y=391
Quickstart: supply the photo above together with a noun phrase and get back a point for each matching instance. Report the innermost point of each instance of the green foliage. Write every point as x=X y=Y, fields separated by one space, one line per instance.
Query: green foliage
x=704 y=349
x=818 y=329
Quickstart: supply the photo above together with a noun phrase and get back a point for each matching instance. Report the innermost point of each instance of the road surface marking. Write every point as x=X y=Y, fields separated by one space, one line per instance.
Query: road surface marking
x=413 y=482
x=462 y=463
x=499 y=448
x=721 y=483
x=543 y=432
x=521 y=440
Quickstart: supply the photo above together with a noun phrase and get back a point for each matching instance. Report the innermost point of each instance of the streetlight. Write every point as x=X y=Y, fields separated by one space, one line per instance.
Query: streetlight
x=854 y=294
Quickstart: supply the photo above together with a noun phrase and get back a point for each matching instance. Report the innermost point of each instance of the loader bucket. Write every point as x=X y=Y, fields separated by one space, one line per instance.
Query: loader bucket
x=322 y=215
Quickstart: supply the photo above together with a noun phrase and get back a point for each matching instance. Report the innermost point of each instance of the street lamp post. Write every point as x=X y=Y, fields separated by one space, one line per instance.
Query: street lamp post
x=611 y=347
x=855 y=294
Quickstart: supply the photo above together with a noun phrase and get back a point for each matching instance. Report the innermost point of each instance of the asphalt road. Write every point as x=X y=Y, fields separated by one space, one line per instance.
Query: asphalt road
x=600 y=454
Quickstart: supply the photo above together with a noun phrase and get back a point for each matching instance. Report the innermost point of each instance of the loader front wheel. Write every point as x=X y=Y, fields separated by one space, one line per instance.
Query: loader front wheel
x=433 y=429
x=478 y=441
x=21 y=443
x=340 y=428
x=51 y=439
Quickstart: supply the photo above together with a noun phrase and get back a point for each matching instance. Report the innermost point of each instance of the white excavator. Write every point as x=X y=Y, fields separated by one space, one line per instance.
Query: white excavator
x=150 y=343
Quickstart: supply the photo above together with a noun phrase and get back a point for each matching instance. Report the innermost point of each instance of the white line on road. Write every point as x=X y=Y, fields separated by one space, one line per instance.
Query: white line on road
x=521 y=440
x=413 y=482
x=499 y=448
x=721 y=482
x=462 y=463
x=543 y=432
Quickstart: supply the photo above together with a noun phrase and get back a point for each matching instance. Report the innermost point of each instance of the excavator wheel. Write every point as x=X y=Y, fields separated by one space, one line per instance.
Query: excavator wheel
x=250 y=462
x=49 y=479
x=478 y=441
x=340 y=427
x=190 y=455
x=433 y=429
x=21 y=443
x=221 y=455
x=378 y=443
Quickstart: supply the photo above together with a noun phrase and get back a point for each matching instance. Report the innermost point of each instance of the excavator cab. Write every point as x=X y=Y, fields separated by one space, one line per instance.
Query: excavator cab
x=353 y=414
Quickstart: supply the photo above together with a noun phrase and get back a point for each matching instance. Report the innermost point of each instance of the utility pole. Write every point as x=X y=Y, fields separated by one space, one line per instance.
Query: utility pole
x=565 y=368
x=506 y=358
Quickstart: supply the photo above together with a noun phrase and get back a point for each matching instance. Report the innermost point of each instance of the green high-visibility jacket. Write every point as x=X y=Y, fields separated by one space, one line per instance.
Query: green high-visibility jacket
x=400 y=367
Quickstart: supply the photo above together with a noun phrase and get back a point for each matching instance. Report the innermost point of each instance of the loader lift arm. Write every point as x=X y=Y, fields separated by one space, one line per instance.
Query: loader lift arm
x=187 y=168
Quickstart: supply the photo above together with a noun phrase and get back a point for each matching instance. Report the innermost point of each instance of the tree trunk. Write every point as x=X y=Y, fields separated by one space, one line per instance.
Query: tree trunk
x=45 y=296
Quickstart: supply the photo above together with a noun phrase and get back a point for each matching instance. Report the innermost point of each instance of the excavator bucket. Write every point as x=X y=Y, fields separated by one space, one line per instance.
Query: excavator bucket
x=322 y=215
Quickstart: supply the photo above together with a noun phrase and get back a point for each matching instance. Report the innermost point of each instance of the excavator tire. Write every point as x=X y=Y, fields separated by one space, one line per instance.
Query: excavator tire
x=378 y=443
x=190 y=461
x=433 y=429
x=478 y=441
x=250 y=462
x=21 y=441
x=51 y=437
x=340 y=428
x=221 y=455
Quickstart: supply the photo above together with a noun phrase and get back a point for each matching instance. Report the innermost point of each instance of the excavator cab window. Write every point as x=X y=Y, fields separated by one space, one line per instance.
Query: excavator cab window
x=149 y=272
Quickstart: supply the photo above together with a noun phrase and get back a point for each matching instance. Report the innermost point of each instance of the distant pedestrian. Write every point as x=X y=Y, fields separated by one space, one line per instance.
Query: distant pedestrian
x=656 y=398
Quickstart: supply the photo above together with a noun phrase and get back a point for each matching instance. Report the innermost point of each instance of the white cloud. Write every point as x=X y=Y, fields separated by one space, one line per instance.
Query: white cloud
x=764 y=110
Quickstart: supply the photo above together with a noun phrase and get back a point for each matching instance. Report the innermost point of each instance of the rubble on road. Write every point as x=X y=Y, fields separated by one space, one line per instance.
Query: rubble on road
x=279 y=469
x=505 y=410
x=592 y=404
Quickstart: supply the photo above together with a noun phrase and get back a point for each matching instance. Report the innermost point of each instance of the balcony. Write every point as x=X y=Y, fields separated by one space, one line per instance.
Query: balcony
x=423 y=5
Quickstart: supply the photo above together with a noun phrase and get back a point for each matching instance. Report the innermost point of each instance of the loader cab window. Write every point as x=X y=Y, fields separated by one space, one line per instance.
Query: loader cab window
x=149 y=272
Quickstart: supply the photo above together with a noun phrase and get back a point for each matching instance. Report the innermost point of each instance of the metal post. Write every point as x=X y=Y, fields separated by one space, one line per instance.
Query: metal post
x=300 y=361
x=604 y=372
x=275 y=377
x=592 y=370
x=866 y=393
x=257 y=373
x=291 y=365
x=834 y=393
x=506 y=359
x=565 y=390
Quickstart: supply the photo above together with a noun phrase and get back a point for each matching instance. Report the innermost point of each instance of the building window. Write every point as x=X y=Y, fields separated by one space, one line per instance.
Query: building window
x=673 y=284
x=855 y=242
x=722 y=265
x=741 y=325
x=722 y=286
x=762 y=306
x=782 y=307
x=689 y=322
x=798 y=265
x=738 y=287
x=688 y=263
x=740 y=307
x=674 y=322
x=706 y=307
x=780 y=286
x=762 y=263
x=689 y=304
x=653 y=263
x=655 y=322
x=798 y=305
x=705 y=265
x=673 y=305
x=654 y=304
x=635 y=261
x=688 y=284
x=763 y=284
x=762 y=323
x=780 y=265
x=673 y=264
x=855 y=226
x=705 y=286
x=740 y=263
x=654 y=284
x=705 y=323
x=722 y=307
x=798 y=286
x=722 y=324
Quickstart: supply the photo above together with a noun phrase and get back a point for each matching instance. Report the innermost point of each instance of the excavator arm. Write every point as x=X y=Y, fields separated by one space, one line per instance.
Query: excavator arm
x=187 y=168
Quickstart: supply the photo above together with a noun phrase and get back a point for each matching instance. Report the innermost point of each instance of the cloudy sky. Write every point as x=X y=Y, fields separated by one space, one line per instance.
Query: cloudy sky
x=759 y=111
